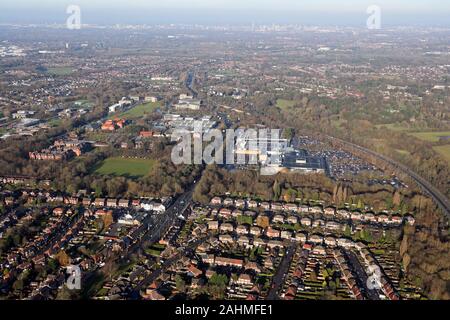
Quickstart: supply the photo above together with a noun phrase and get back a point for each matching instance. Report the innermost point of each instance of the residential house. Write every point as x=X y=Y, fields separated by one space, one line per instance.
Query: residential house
x=345 y=243
x=100 y=202
x=86 y=202
x=382 y=218
x=216 y=201
x=397 y=220
x=255 y=231
x=194 y=272
x=316 y=210
x=258 y=242
x=265 y=206
x=329 y=211
x=236 y=213
x=357 y=216
x=124 y=203
x=286 y=235
x=272 y=233
x=213 y=225
x=243 y=241
x=240 y=203
x=226 y=227
x=291 y=207
x=319 y=250
x=58 y=211
x=292 y=219
x=222 y=261
x=252 y=204
x=277 y=206
x=318 y=223
x=242 y=229
x=228 y=202
x=303 y=209
x=275 y=244
x=250 y=214
x=112 y=203
x=330 y=241
x=316 y=239
x=278 y=218
x=300 y=237
x=245 y=279
x=306 y=222
x=225 y=213
x=344 y=214
x=369 y=217
x=226 y=238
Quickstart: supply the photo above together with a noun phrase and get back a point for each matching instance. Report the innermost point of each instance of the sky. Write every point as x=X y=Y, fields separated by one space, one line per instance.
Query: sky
x=401 y=12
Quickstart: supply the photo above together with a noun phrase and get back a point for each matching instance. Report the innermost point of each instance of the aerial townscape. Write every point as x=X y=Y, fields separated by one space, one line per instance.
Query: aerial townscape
x=355 y=206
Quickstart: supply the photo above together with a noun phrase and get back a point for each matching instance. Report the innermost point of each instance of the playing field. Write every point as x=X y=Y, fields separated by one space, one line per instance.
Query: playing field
x=431 y=136
x=60 y=71
x=285 y=104
x=444 y=151
x=139 y=111
x=125 y=167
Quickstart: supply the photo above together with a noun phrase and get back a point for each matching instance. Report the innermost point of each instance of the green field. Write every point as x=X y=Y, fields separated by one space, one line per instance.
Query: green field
x=430 y=136
x=285 y=104
x=138 y=111
x=60 y=71
x=125 y=167
x=393 y=127
x=85 y=104
x=444 y=151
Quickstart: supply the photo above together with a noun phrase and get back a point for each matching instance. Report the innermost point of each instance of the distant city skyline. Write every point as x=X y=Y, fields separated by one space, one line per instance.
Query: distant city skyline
x=320 y=12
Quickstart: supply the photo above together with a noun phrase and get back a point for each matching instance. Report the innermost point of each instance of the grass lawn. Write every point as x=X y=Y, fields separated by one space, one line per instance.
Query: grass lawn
x=393 y=127
x=338 y=122
x=54 y=122
x=403 y=152
x=125 y=167
x=430 y=136
x=444 y=151
x=60 y=71
x=139 y=111
x=85 y=104
x=285 y=104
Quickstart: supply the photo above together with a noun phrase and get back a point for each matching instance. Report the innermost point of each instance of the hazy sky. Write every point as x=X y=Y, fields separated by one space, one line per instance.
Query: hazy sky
x=417 y=6
x=242 y=10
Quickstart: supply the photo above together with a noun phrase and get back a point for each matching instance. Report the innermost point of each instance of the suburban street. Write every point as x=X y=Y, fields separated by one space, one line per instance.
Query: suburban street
x=281 y=273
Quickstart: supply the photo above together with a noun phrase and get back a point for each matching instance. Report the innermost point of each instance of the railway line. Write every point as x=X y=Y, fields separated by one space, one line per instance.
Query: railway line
x=440 y=199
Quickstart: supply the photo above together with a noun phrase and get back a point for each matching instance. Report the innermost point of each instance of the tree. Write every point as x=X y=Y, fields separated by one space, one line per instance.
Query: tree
x=180 y=283
x=107 y=220
x=63 y=258
x=396 y=200
x=406 y=260
x=18 y=285
x=348 y=231
x=276 y=190
x=263 y=221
